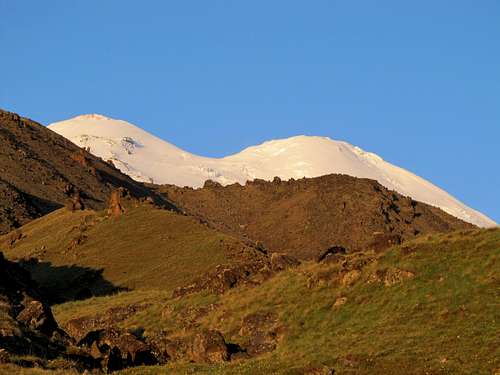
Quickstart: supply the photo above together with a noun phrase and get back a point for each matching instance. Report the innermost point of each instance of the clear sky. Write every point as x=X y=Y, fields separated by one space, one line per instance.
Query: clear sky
x=417 y=82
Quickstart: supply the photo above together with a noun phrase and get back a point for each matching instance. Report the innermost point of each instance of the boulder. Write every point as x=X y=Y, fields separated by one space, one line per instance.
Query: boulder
x=108 y=343
x=261 y=331
x=223 y=278
x=167 y=348
x=112 y=361
x=79 y=327
x=81 y=359
x=38 y=317
x=209 y=346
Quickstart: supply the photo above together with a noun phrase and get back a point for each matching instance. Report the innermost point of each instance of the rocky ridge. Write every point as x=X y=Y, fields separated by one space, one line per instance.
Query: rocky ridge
x=306 y=218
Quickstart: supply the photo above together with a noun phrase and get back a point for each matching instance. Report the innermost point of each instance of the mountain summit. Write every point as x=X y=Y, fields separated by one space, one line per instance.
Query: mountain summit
x=147 y=158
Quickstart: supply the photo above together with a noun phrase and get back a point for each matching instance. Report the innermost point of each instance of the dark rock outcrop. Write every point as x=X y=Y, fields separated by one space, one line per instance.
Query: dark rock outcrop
x=224 y=278
x=115 y=349
x=28 y=328
x=250 y=273
x=200 y=346
x=80 y=327
x=27 y=325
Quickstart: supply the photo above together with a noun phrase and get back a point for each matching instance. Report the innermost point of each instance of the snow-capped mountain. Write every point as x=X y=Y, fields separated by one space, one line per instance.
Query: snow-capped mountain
x=145 y=157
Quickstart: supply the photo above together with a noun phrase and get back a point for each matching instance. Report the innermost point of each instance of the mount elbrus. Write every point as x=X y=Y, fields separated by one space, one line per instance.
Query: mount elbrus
x=332 y=273
x=147 y=158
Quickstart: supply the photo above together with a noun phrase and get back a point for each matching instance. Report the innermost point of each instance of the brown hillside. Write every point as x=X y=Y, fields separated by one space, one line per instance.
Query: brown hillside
x=309 y=216
x=41 y=171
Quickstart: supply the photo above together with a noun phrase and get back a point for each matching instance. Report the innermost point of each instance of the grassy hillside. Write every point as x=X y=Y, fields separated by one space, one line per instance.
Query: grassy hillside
x=429 y=306
x=444 y=319
x=144 y=248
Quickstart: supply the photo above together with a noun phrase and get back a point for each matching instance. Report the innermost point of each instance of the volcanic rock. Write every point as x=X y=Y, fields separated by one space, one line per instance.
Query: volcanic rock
x=209 y=346
x=304 y=217
x=261 y=331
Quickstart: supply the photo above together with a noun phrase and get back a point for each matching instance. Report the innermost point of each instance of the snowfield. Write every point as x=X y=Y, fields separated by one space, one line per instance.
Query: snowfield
x=147 y=158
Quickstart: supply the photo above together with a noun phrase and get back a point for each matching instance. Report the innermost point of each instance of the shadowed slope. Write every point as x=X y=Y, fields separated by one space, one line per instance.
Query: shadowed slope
x=40 y=170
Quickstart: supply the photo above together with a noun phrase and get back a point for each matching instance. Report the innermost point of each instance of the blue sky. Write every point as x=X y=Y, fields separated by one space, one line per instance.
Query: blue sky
x=417 y=82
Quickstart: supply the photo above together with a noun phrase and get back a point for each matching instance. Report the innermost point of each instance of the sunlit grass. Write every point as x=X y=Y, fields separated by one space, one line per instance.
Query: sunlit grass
x=444 y=320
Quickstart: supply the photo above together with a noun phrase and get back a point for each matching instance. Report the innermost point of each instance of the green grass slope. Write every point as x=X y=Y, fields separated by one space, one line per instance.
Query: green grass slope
x=429 y=306
x=445 y=319
x=144 y=248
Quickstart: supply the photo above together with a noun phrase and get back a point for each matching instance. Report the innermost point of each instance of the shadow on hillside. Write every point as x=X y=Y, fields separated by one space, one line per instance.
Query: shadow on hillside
x=41 y=205
x=70 y=283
